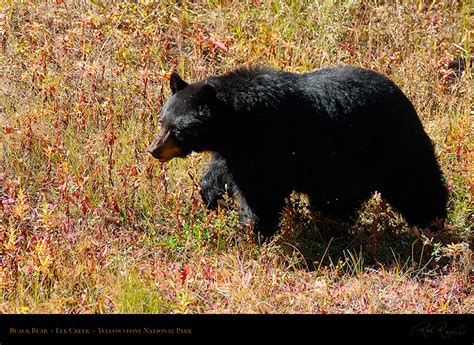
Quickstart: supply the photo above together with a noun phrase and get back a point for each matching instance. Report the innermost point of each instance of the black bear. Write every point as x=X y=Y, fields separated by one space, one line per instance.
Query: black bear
x=336 y=134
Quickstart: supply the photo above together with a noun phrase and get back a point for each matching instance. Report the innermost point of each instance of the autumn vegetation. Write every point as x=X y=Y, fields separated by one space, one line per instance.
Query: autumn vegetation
x=89 y=223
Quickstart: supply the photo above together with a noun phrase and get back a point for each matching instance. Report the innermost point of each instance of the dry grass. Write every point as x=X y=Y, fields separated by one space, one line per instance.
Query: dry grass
x=89 y=223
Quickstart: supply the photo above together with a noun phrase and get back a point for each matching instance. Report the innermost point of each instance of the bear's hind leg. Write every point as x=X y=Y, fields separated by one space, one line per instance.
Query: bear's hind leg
x=419 y=195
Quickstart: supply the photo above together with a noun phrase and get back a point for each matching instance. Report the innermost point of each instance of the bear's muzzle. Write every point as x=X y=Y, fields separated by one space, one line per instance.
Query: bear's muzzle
x=164 y=148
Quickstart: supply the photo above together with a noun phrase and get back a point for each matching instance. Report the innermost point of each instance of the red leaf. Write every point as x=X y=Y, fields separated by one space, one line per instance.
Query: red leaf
x=7 y=129
x=184 y=275
x=221 y=46
x=345 y=46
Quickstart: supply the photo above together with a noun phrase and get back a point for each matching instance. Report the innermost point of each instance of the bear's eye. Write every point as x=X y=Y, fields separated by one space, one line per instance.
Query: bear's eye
x=175 y=131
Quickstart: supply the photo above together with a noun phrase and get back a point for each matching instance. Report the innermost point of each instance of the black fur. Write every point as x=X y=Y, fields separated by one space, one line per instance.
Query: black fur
x=337 y=134
x=216 y=182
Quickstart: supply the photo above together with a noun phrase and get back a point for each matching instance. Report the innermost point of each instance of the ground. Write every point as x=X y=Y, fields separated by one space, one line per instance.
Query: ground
x=90 y=223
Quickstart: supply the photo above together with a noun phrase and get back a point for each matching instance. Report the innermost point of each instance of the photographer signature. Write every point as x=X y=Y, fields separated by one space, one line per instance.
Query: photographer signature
x=441 y=329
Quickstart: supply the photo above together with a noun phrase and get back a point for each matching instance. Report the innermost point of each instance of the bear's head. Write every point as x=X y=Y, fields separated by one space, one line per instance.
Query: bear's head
x=187 y=120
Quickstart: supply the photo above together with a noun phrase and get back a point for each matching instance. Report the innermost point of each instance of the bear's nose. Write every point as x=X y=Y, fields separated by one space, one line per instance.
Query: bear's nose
x=153 y=150
x=164 y=147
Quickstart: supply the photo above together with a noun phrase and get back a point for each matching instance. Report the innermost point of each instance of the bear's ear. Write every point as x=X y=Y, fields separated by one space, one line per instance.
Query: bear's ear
x=207 y=92
x=176 y=83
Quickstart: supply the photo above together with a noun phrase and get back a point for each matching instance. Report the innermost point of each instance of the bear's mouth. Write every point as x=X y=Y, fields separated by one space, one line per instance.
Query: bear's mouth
x=164 y=148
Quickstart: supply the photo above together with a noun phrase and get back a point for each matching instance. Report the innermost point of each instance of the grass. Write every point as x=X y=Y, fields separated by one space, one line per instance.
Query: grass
x=90 y=224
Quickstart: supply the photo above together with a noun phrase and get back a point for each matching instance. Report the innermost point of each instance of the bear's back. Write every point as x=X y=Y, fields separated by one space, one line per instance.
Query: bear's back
x=345 y=91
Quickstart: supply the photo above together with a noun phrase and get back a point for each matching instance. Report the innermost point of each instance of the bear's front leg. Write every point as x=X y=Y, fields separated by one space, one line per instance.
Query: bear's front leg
x=216 y=181
x=261 y=210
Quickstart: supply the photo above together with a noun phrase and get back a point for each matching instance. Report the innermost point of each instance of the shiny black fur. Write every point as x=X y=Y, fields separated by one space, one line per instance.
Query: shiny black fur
x=336 y=134
x=216 y=182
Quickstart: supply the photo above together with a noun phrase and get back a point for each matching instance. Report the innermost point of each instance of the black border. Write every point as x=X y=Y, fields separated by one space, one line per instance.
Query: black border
x=89 y=329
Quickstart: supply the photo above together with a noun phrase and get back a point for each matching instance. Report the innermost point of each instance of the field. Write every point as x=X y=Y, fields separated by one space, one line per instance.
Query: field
x=89 y=223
